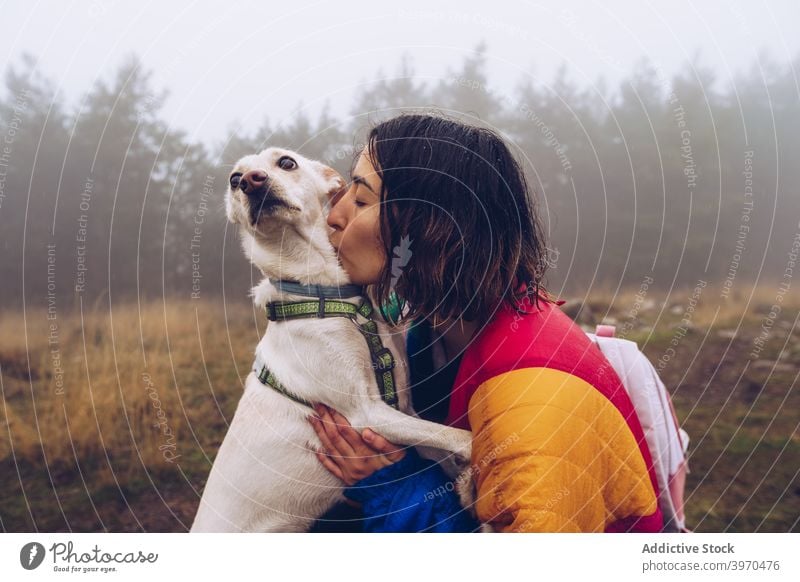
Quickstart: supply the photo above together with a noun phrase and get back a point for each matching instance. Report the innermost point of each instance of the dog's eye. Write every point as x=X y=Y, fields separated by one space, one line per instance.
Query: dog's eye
x=235 y=179
x=287 y=163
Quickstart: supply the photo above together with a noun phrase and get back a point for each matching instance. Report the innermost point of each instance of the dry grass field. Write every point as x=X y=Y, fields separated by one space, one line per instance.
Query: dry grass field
x=110 y=419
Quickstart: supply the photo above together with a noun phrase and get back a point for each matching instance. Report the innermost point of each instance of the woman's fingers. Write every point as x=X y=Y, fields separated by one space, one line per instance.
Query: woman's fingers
x=316 y=424
x=347 y=453
x=350 y=435
x=336 y=442
x=380 y=445
x=328 y=463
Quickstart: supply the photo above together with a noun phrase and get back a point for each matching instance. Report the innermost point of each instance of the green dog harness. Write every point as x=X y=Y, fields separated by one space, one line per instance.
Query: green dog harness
x=321 y=307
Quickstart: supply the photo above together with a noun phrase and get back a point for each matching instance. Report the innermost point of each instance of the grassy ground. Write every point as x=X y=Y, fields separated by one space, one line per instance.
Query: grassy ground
x=111 y=420
x=127 y=444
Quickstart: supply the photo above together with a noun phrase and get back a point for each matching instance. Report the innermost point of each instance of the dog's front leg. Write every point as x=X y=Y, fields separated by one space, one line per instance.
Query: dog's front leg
x=401 y=428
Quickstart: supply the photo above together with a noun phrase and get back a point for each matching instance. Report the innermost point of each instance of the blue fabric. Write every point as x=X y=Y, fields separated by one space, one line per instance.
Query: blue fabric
x=415 y=494
x=411 y=495
x=430 y=388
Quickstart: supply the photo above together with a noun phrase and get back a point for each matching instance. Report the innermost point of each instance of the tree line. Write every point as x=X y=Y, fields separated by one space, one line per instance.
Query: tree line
x=669 y=178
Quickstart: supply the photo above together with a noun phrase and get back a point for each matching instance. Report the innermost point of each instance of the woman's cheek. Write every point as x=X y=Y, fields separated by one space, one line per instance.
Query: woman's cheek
x=361 y=252
x=379 y=253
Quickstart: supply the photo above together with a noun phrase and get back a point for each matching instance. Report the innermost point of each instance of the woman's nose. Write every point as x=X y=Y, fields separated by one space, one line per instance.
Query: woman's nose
x=336 y=218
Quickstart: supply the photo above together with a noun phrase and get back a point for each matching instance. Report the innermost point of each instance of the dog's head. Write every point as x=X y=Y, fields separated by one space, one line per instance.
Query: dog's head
x=280 y=199
x=279 y=188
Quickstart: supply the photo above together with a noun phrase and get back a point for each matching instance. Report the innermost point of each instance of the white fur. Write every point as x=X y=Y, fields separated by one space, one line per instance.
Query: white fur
x=265 y=476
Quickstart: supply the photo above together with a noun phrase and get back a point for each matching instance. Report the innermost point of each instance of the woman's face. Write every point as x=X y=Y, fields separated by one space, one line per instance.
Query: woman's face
x=354 y=218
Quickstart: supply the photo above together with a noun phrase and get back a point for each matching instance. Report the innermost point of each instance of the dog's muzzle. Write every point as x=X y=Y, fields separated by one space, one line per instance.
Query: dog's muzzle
x=254 y=183
x=262 y=199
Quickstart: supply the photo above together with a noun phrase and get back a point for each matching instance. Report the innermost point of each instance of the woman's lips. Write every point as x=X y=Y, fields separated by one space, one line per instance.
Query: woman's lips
x=338 y=251
x=339 y=257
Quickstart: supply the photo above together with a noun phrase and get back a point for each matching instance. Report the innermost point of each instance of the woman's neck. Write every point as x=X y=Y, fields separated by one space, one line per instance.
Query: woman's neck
x=455 y=334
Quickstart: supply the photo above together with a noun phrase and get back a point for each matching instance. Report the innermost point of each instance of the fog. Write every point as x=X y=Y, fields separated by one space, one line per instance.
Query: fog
x=661 y=139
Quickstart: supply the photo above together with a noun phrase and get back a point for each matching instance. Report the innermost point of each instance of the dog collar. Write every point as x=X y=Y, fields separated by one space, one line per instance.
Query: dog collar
x=382 y=359
x=322 y=291
x=282 y=310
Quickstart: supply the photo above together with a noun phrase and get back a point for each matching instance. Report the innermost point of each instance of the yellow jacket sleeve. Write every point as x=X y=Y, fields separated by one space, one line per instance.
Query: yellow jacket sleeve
x=552 y=454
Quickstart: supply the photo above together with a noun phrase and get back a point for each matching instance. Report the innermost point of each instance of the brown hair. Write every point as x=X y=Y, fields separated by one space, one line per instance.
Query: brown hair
x=458 y=221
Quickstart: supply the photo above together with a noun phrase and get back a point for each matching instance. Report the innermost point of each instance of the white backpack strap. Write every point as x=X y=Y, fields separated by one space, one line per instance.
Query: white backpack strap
x=652 y=404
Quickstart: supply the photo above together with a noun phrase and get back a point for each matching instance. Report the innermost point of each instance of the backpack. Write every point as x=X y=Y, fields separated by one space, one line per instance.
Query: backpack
x=667 y=441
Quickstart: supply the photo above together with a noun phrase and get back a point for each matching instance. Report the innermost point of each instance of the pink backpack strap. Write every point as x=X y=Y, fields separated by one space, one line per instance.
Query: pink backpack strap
x=605 y=331
x=677 y=486
x=677 y=482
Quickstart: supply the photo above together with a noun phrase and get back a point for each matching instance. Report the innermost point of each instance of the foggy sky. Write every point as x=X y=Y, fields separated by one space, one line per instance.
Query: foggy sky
x=224 y=66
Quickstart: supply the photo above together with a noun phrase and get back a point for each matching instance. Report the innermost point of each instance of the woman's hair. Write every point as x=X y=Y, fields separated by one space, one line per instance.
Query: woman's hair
x=458 y=222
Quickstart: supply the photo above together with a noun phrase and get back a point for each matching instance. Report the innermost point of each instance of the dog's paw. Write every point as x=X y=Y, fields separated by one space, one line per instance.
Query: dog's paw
x=463 y=467
x=466 y=490
x=462 y=451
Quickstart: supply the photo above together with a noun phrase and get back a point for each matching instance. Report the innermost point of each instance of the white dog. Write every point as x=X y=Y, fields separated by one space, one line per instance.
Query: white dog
x=265 y=476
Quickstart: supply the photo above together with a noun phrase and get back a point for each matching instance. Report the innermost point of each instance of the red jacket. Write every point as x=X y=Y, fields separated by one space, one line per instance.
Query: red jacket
x=557 y=445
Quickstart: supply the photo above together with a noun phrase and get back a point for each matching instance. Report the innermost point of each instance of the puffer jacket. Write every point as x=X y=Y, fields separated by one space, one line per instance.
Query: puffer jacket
x=557 y=445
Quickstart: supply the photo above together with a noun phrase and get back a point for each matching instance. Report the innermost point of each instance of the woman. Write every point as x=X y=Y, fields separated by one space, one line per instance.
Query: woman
x=439 y=212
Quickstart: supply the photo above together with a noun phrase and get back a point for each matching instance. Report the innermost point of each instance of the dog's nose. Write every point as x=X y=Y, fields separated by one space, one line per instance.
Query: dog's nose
x=253 y=181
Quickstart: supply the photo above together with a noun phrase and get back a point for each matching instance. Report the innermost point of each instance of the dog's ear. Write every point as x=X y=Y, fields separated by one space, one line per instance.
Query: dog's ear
x=336 y=185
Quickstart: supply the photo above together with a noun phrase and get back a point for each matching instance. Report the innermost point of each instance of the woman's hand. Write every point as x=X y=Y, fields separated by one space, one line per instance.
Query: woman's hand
x=348 y=454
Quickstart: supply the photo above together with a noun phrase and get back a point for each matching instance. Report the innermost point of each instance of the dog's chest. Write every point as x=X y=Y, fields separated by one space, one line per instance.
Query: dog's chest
x=328 y=360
